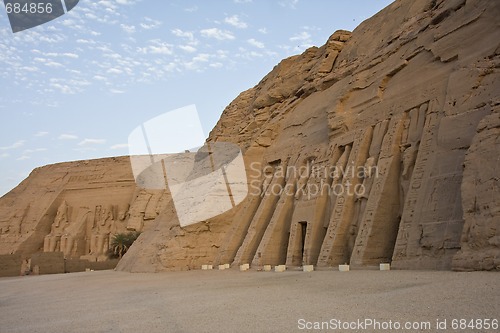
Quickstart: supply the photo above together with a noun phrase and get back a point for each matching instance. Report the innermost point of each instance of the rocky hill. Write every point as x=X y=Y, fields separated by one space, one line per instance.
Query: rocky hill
x=395 y=128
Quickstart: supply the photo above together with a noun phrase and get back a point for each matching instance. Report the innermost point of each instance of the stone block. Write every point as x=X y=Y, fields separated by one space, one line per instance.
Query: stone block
x=267 y=268
x=48 y=263
x=308 y=268
x=280 y=268
x=10 y=265
x=385 y=267
x=244 y=267
x=344 y=268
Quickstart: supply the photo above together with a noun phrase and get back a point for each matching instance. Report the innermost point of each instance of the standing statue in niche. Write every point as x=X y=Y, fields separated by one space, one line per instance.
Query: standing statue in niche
x=15 y=222
x=303 y=175
x=69 y=239
x=361 y=200
x=339 y=170
x=99 y=242
x=369 y=175
x=409 y=150
x=123 y=212
x=51 y=242
x=409 y=157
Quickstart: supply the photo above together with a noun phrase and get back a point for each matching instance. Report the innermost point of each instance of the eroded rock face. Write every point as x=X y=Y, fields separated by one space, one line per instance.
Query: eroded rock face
x=480 y=241
x=380 y=146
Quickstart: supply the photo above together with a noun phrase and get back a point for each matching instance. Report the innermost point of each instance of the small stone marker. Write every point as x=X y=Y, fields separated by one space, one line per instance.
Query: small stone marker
x=280 y=268
x=308 y=268
x=385 y=267
x=267 y=268
x=344 y=268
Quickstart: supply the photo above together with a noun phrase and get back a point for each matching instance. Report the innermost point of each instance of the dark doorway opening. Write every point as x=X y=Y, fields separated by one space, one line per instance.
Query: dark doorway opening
x=303 y=231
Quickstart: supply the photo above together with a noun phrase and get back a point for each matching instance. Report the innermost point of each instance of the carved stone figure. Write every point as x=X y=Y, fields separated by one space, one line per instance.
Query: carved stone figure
x=61 y=222
x=100 y=236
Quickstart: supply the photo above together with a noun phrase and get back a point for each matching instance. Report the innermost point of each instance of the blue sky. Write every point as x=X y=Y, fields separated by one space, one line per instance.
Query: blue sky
x=75 y=88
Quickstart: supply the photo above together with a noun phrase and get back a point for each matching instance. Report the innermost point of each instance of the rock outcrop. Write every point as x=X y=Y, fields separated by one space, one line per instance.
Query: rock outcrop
x=480 y=240
x=380 y=146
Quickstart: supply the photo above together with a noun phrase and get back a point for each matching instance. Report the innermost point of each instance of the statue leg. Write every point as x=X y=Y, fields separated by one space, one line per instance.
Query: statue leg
x=93 y=244
x=100 y=244
x=68 y=246
x=46 y=244
x=53 y=243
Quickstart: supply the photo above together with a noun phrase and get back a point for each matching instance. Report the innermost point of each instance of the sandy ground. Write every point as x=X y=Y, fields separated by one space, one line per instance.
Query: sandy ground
x=233 y=301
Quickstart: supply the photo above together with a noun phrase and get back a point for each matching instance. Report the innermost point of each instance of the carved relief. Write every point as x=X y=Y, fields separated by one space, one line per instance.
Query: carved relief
x=410 y=147
x=52 y=241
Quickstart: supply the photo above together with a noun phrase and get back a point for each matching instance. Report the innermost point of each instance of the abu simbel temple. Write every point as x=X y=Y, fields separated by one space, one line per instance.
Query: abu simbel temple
x=381 y=146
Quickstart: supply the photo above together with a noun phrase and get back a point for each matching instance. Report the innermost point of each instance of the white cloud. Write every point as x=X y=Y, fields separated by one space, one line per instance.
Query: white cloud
x=70 y=55
x=4 y=155
x=187 y=48
x=86 y=142
x=41 y=133
x=161 y=48
x=303 y=36
x=289 y=3
x=53 y=64
x=69 y=86
x=85 y=41
x=150 y=23
x=245 y=54
x=114 y=71
x=130 y=29
x=157 y=47
x=197 y=61
x=30 y=69
x=216 y=65
x=120 y=146
x=191 y=9
x=186 y=34
x=202 y=57
x=22 y=158
x=63 y=88
x=15 y=145
x=217 y=34
x=67 y=137
x=100 y=78
x=30 y=151
x=242 y=1
x=235 y=22
x=55 y=54
x=256 y=43
x=116 y=91
x=263 y=31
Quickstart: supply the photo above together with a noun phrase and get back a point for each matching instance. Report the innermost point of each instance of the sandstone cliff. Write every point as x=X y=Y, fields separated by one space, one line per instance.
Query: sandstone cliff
x=75 y=208
x=395 y=129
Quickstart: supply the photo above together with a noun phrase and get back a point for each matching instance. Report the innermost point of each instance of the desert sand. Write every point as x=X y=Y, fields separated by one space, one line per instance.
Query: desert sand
x=233 y=301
